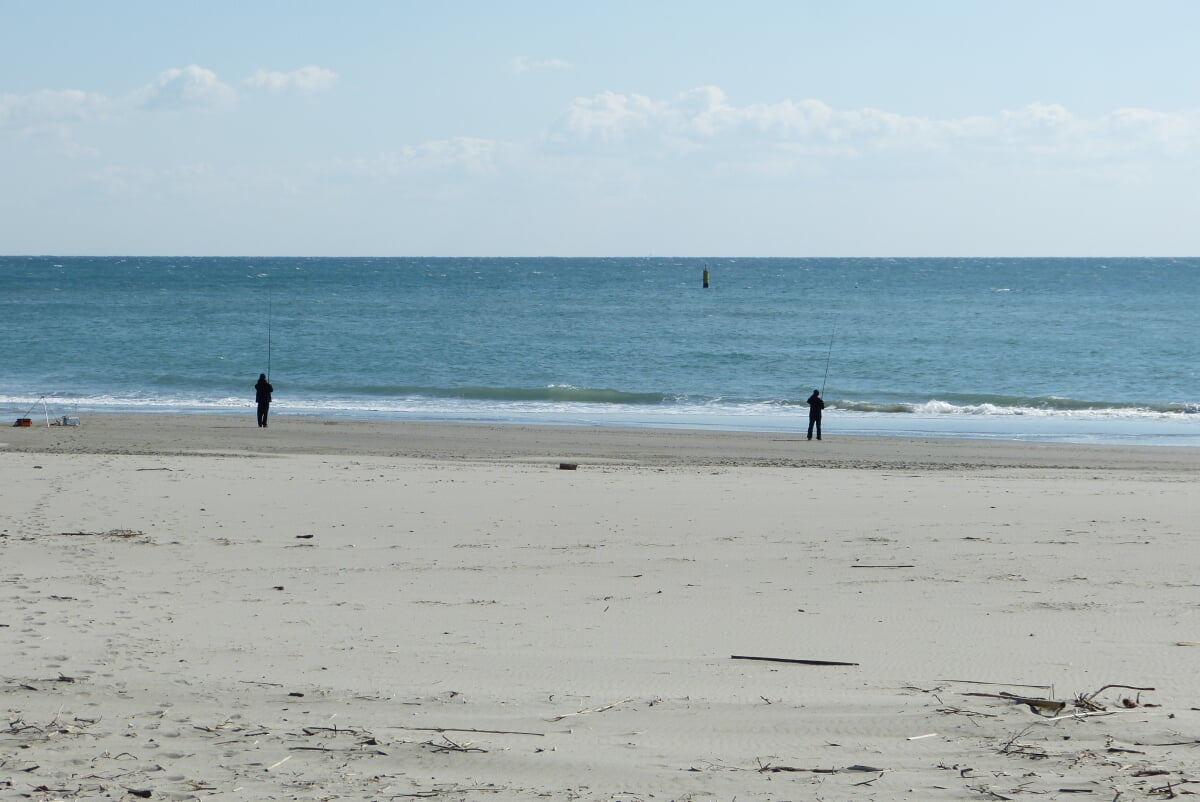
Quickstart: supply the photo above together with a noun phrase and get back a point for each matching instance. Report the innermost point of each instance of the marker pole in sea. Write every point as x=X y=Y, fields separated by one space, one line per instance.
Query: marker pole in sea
x=706 y=277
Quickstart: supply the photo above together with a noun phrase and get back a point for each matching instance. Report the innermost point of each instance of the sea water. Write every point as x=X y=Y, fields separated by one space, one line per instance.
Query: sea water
x=1076 y=350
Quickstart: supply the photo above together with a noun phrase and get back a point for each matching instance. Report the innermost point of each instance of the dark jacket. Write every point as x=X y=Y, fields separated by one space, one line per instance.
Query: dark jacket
x=262 y=391
x=815 y=405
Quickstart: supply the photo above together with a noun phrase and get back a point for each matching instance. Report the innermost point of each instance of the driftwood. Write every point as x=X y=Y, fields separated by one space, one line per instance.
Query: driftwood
x=343 y=751
x=1077 y=714
x=110 y=533
x=590 y=710
x=1169 y=789
x=440 y=792
x=883 y=566
x=1088 y=701
x=447 y=745
x=958 y=711
x=1023 y=750
x=278 y=764
x=790 y=660
x=1036 y=705
x=461 y=729
x=767 y=767
x=1003 y=684
x=334 y=730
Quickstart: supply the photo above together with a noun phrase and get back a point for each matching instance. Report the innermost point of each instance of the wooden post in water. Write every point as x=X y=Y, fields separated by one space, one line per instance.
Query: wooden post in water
x=706 y=277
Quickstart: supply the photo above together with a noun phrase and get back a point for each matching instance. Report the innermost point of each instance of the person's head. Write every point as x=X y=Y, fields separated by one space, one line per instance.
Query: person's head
x=816 y=392
x=262 y=377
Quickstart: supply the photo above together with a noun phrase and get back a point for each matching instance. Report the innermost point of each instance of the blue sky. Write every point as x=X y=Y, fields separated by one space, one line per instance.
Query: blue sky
x=523 y=128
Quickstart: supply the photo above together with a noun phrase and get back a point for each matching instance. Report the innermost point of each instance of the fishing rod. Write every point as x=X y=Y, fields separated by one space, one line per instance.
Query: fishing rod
x=268 y=333
x=828 y=357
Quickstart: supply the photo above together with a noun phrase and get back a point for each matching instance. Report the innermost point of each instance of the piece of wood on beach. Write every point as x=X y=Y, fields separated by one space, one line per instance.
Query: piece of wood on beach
x=856 y=768
x=1049 y=688
x=1088 y=701
x=447 y=745
x=792 y=660
x=122 y=533
x=589 y=710
x=351 y=750
x=859 y=565
x=464 y=729
x=1078 y=714
x=568 y=466
x=1035 y=705
x=274 y=766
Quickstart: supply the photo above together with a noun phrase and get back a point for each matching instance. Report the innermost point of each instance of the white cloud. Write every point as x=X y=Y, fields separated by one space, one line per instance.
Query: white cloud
x=305 y=80
x=704 y=118
x=191 y=86
x=57 y=111
x=185 y=87
x=49 y=107
x=610 y=117
x=523 y=64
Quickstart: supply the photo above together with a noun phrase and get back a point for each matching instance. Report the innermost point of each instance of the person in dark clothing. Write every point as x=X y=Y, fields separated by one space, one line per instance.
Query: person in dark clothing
x=815 y=405
x=262 y=394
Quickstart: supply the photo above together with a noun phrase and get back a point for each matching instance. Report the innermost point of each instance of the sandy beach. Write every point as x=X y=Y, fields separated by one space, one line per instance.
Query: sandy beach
x=194 y=608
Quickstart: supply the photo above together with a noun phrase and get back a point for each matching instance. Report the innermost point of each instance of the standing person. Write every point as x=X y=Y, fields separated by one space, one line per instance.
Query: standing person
x=815 y=405
x=262 y=394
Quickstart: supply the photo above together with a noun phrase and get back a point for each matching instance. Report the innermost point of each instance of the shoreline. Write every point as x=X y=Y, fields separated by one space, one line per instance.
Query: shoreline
x=227 y=435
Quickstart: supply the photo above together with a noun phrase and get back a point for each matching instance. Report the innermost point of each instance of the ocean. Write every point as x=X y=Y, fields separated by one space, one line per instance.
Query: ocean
x=1064 y=350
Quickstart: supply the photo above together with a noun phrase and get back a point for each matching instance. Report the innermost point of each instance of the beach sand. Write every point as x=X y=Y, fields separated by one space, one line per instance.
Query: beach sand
x=194 y=608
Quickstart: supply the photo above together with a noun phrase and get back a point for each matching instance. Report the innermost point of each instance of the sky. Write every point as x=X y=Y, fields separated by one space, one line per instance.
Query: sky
x=557 y=128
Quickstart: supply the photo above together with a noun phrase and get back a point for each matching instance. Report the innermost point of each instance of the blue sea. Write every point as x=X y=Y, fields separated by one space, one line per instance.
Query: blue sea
x=1067 y=350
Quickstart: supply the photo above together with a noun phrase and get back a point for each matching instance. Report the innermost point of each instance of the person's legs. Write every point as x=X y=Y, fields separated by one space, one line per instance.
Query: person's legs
x=811 y=421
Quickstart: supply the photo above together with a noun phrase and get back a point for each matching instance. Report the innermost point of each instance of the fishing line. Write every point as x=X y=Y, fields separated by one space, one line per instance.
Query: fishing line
x=828 y=357
x=268 y=333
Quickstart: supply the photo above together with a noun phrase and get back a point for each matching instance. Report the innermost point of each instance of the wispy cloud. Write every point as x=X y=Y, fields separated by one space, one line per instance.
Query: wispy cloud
x=175 y=89
x=186 y=87
x=524 y=64
x=704 y=118
x=48 y=107
x=304 y=80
